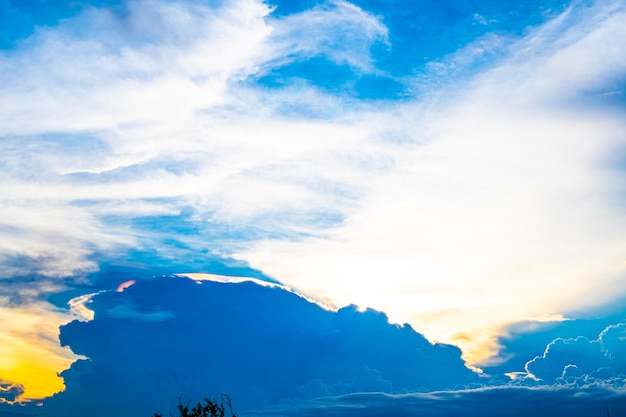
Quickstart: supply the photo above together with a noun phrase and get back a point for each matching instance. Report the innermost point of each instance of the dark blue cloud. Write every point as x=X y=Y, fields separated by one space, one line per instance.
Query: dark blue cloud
x=279 y=354
x=264 y=346
x=10 y=391
x=138 y=265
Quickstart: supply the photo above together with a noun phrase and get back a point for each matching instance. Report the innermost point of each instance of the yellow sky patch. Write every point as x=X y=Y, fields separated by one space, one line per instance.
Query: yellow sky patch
x=30 y=350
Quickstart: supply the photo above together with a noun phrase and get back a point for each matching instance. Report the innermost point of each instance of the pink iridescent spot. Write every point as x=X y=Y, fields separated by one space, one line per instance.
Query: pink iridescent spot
x=125 y=285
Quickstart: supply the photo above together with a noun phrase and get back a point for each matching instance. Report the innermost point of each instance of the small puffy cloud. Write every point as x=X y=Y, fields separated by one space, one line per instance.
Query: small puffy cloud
x=370 y=380
x=365 y=380
x=586 y=354
x=10 y=391
x=314 y=388
x=572 y=371
x=528 y=339
x=578 y=359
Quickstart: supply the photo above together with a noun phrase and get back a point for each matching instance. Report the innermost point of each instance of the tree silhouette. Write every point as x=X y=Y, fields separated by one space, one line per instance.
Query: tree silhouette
x=210 y=408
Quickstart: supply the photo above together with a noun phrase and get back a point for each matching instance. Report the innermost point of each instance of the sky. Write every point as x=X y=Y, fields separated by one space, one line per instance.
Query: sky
x=316 y=207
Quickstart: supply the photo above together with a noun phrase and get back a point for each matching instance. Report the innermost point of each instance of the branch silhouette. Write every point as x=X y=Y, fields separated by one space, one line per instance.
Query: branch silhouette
x=210 y=408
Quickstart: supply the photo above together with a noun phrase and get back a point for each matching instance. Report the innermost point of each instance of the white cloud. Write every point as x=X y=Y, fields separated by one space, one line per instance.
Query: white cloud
x=583 y=360
x=159 y=85
x=338 y=30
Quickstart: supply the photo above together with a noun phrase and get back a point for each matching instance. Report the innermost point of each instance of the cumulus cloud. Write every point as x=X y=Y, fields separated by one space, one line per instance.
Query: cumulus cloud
x=580 y=360
x=582 y=353
x=262 y=345
x=371 y=380
x=528 y=339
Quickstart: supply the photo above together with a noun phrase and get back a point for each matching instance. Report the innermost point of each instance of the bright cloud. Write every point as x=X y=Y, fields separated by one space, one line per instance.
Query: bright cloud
x=138 y=98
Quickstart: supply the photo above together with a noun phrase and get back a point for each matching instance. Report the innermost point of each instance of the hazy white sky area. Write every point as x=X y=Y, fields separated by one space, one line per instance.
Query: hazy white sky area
x=504 y=202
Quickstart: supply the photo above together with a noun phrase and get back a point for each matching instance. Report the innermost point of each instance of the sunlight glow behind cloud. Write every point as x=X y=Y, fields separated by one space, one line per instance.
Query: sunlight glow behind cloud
x=512 y=205
x=494 y=192
x=30 y=351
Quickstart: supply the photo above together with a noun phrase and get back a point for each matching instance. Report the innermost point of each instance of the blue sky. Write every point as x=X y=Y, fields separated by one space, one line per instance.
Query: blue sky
x=390 y=205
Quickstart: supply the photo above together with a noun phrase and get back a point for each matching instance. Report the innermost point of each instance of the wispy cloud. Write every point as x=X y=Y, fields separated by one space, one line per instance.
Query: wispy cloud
x=150 y=107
